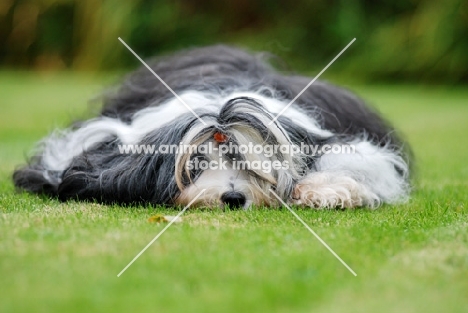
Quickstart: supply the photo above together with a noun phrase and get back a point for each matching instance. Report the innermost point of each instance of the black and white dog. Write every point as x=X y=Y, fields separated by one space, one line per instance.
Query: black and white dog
x=237 y=99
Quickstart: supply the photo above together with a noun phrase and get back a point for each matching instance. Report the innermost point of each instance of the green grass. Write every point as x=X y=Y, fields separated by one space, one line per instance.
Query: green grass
x=65 y=257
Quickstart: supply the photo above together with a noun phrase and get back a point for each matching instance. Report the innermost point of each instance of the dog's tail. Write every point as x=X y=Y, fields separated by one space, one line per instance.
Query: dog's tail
x=34 y=178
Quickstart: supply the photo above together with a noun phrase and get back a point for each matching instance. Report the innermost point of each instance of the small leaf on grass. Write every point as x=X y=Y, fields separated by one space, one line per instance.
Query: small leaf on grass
x=159 y=218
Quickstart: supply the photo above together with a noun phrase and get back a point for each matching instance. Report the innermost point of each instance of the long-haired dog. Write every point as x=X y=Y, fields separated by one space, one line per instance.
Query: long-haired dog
x=123 y=156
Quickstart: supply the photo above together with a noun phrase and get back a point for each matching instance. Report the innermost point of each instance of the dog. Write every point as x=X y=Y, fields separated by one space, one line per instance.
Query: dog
x=235 y=105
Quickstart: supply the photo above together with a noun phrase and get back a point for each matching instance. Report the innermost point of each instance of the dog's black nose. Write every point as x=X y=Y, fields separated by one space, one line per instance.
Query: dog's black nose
x=233 y=199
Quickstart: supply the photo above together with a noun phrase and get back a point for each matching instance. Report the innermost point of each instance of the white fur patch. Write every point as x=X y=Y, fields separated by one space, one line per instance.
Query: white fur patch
x=372 y=166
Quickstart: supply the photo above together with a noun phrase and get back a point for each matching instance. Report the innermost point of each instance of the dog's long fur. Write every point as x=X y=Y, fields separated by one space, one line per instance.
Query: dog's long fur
x=237 y=94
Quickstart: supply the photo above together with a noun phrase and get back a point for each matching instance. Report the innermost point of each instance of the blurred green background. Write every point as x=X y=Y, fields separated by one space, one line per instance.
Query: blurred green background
x=410 y=61
x=423 y=41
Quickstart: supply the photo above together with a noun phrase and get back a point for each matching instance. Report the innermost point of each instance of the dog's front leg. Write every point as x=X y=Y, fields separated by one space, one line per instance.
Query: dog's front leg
x=328 y=190
x=366 y=176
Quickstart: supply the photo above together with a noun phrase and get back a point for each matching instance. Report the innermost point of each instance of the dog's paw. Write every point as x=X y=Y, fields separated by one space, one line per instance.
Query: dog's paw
x=329 y=191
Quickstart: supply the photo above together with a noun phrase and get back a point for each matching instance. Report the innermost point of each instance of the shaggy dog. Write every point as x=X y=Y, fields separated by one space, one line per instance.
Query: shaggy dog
x=234 y=139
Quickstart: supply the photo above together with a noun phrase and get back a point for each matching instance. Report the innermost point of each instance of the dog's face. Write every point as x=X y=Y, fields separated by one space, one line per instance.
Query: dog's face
x=232 y=159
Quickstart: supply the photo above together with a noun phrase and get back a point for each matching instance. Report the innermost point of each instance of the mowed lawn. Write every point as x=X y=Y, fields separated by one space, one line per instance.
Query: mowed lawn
x=65 y=257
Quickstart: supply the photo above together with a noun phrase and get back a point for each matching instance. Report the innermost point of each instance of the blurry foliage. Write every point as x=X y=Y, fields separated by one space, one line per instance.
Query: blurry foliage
x=418 y=40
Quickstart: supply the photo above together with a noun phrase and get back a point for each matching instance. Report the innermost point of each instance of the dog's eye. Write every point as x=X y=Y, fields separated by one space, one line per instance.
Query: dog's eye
x=196 y=168
x=230 y=151
x=233 y=156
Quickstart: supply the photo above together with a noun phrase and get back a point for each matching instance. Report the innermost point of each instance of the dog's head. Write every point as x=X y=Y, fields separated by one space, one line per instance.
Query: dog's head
x=235 y=156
